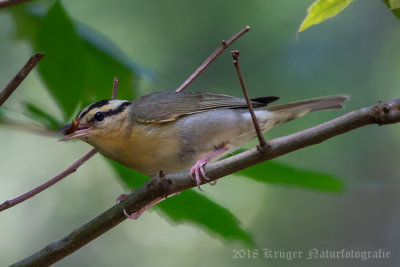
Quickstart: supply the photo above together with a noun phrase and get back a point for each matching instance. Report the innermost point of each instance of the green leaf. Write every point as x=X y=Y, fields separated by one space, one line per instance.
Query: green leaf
x=278 y=173
x=322 y=10
x=80 y=65
x=394 y=6
x=47 y=119
x=65 y=68
x=191 y=207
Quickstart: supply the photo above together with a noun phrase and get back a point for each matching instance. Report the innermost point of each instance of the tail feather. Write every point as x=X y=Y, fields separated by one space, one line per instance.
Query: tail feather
x=290 y=111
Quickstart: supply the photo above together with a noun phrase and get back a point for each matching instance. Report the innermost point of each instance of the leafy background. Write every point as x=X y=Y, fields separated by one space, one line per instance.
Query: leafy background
x=341 y=194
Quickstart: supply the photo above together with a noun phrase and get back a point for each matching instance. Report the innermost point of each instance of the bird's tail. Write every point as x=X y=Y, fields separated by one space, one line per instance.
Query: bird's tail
x=290 y=111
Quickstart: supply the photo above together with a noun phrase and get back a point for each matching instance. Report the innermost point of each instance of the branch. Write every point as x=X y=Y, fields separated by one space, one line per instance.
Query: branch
x=263 y=144
x=10 y=3
x=211 y=58
x=380 y=113
x=25 y=127
x=16 y=81
x=71 y=169
x=115 y=88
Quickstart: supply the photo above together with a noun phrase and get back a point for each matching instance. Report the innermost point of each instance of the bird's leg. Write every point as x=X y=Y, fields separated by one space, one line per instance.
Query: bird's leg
x=197 y=168
x=137 y=214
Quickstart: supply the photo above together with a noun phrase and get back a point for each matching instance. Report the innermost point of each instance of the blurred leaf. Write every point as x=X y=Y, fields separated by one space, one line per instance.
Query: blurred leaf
x=80 y=66
x=42 y=116
x=66 y=66
x=190 y=206
x=394 y=5
x=322 y=10
x=278 y=173
x=101 y=43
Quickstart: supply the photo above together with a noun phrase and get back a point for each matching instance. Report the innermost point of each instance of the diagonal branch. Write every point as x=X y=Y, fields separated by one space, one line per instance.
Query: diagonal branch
x=380 y=113
x=31 y=193
x=21 y=75
x=263 y=144
x=211 y=58
x=10 y=3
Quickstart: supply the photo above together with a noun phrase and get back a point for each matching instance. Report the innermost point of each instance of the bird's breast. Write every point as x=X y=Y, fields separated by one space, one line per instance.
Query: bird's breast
x=149 y=149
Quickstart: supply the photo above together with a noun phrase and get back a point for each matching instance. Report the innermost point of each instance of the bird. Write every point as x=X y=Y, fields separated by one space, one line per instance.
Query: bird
x=169 y=132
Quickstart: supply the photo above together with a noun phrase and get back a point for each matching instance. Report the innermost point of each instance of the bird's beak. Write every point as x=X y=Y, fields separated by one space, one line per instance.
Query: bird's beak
x=74 y=130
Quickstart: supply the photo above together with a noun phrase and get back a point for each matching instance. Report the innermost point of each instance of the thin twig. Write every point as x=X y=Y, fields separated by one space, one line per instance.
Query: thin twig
x=380 y=113
x=16 y=81
x=263 y=143
x=71 y=169
x=25 y=127
x=211 y=58
x=115 y=88
x=10 y=3
x=10 y=203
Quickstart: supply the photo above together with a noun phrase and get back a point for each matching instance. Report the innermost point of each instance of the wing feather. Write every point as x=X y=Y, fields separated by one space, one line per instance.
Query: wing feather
x=168 y=106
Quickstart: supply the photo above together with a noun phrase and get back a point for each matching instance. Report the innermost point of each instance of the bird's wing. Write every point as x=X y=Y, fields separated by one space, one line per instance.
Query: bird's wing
x=168 y=106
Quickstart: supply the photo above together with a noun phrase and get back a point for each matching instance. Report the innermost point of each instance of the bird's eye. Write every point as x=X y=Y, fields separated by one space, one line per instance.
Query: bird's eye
x=99 y=116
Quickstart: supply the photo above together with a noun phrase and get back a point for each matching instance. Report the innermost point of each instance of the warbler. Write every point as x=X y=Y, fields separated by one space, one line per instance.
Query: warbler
x=172 y=132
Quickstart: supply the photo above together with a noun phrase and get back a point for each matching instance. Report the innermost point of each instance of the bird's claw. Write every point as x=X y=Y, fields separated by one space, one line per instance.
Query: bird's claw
x=137 y=214
x=120 y=198
x=198 y=169
x=123 y=196
x=134 y=215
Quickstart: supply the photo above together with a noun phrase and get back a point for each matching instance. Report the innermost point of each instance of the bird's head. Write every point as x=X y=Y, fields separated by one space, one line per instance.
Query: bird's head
x=103 y=119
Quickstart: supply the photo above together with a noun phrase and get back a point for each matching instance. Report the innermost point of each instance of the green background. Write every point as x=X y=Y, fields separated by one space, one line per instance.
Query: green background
x=355 y=53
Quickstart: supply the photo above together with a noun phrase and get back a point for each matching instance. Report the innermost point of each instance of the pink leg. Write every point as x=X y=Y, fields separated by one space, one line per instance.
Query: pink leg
x=197 y=168
x=137 y=214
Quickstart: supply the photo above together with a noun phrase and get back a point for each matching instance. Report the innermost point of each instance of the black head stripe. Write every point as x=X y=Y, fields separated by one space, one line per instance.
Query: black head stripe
x=121 y=108
x=92 y=106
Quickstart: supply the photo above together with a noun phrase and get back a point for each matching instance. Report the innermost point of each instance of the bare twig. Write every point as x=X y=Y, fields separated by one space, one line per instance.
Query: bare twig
x=211 y=58
x=25 y=127
x=71 y=169
x=380 y=113
x=10 y=3
x=263 y=143
x=16 y=81
x=9 y=203
x=115 y=88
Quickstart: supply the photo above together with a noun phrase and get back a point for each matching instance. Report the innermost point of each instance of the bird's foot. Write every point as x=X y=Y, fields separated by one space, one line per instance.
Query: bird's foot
x=198 y=169
x=137 y=214
x=123 y=196
x=120 y=198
